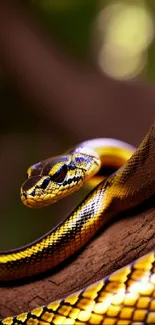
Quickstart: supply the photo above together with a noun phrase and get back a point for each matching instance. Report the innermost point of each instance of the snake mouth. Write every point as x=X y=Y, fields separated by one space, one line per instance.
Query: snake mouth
x=37 y=203
x=25 y=200
x=29 y=201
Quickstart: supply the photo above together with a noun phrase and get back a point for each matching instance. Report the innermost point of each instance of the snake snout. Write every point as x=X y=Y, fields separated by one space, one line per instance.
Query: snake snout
x=30 y=183
x=27 y=191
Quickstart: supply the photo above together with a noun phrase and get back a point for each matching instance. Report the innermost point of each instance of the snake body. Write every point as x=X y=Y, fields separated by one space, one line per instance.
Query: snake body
x=126 y=296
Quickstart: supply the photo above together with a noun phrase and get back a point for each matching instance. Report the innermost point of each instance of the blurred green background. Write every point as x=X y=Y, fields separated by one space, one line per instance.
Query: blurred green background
x=117 y=37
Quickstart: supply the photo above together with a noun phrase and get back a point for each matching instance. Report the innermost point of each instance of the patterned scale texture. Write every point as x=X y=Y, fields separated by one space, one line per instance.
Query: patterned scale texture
x=125 y=297
x=58 y=244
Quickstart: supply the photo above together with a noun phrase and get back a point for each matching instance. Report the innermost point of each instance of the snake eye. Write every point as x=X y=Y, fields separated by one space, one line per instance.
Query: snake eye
x=45 y=183
x=60 y=175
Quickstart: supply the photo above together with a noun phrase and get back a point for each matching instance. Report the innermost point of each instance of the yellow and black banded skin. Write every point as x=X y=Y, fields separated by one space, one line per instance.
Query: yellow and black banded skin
x=125 y=297
x=82 y=224
x=128 y=295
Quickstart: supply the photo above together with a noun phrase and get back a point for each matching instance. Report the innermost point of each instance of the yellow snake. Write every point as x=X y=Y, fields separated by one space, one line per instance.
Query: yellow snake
x=126 y=296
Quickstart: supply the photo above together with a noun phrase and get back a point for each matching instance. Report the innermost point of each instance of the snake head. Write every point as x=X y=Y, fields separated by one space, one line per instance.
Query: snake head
x=53 y=179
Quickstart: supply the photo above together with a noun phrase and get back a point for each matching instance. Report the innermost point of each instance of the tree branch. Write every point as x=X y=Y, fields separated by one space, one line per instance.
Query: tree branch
x=126 y=239
x=119 y=244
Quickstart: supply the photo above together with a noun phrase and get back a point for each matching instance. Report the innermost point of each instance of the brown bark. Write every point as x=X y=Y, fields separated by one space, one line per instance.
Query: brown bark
x=117 y=245
x=127 y=238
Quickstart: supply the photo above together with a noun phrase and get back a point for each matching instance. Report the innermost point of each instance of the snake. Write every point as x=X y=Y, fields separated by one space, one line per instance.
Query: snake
x=127 y=296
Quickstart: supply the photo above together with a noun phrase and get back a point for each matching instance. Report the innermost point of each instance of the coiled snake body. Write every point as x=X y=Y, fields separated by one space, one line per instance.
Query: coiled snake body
x=126 y=296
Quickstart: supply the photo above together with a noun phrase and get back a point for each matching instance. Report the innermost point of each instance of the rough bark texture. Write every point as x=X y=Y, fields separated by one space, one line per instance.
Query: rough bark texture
x=119 y=244
x=124 y=240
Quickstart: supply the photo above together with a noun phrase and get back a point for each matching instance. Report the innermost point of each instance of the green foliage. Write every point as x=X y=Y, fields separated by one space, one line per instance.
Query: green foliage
x=69 y=21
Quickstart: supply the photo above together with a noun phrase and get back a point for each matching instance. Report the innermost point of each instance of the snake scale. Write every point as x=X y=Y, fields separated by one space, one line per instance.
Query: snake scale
x=128 y=295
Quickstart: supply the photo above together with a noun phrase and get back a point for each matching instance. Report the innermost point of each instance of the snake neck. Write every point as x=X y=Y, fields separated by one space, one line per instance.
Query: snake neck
x=133 y=183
